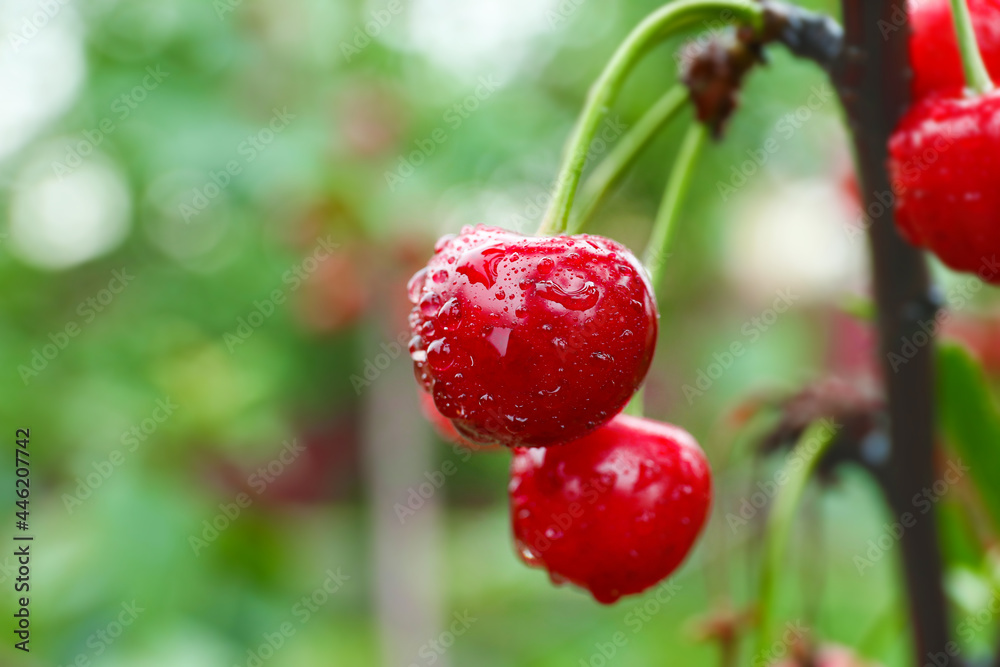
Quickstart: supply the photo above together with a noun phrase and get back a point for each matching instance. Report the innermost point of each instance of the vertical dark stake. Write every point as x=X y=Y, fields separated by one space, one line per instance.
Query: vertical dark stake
x=873 y=77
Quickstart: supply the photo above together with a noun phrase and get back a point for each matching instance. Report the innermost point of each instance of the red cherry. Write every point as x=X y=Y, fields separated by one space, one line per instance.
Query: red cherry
x=937 y=66
x=529 y=341
x=616 y=511
x=443 y=426
x=943 y=161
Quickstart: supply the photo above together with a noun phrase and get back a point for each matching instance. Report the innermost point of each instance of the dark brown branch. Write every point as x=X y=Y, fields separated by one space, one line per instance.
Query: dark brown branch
x=873 y=81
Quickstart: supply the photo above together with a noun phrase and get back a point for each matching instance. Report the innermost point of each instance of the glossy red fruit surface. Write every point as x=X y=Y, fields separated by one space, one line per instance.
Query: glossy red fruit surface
x=443 y=426
x=614 y=512
x=934 y=56
x=530 y=341
x=944 y=158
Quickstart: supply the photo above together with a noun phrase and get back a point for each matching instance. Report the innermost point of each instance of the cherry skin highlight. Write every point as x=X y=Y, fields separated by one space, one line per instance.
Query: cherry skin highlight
x=614 y=512
x=443 y=426
x=934 y=55
x=943 y=161
x=530 y=341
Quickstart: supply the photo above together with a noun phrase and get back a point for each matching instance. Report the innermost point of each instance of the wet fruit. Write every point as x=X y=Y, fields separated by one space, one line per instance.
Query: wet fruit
x=530 y=341
x=443 y=426
x=614 y=512
x=937 y=67
x=943 y=163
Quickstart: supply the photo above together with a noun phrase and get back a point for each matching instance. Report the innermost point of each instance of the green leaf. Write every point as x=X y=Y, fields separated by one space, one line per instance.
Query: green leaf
x=971 y=421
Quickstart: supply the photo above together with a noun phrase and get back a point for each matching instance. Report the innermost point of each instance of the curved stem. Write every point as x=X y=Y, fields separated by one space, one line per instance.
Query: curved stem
x=624 y=154
x=658 y=247
x=810 y=449
x=976 y=75
x=656 y=26
x=660 y=239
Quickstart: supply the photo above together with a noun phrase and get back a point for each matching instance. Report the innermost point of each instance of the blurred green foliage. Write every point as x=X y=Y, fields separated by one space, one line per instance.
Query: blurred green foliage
x=185 y=330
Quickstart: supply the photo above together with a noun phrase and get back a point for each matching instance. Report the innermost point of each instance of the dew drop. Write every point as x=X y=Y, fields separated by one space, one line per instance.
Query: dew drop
x=440 y=276
x=416 y=284
x=500 y=295
x=443 y=241
x=480 y=265
x=529 y=556
x=429 y=304
x=450 y=315
x=545 y=266
x=439 y=355
x=583 y=298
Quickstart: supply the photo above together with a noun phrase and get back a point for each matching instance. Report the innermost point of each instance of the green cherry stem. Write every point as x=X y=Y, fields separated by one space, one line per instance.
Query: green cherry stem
x=657 y=26
x=658 y=247
x=976 y=75
x=665 y=226
x=811 y=447
x=611 y=169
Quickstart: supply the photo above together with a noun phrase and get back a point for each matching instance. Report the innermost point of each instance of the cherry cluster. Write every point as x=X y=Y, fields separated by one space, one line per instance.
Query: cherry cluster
x=537 y=344
x=943 y=153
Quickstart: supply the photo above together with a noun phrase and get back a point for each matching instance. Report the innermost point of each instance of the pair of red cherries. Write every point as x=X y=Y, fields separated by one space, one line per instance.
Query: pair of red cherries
x=945 y=152
x=539 y=343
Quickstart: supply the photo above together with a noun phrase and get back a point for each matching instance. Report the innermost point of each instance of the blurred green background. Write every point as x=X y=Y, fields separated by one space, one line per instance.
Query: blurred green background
x=209 y=214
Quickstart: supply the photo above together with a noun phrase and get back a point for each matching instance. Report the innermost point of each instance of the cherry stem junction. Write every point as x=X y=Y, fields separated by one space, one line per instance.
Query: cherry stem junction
x=611 y=170
x=659 y=25
x=976 y=75
x=665 y=226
